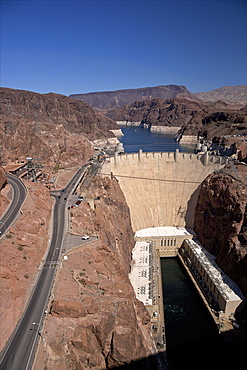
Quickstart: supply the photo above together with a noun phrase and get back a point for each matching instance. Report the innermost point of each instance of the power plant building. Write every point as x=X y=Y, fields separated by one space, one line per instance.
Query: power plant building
x=221 y=292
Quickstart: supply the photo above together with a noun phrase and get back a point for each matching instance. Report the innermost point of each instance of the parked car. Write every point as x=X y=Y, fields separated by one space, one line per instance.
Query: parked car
x=85 y=237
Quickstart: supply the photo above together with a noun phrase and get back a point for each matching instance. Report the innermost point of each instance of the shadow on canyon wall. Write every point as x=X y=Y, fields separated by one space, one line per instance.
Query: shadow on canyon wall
x=226 y=351
x=191 y=205
x=154 y=362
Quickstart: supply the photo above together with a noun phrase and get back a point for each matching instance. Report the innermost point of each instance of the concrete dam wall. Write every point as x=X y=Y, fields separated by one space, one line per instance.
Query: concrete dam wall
x=161 y=189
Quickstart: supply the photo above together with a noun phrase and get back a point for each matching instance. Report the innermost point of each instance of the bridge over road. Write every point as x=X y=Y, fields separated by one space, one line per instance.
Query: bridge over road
x=161 y=189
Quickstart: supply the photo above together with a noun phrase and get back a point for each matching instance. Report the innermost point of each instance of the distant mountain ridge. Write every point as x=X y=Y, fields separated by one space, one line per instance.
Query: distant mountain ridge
x=105 y=100
x=116 y=99
x=228 y=94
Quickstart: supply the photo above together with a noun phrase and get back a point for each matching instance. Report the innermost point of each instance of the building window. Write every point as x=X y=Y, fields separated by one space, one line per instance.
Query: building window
x=174 y=243
x=168 y=242
x=165 y=243
x=161 y=243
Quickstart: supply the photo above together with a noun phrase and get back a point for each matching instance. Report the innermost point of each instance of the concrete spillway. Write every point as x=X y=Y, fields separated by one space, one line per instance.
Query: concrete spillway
x=161 y=189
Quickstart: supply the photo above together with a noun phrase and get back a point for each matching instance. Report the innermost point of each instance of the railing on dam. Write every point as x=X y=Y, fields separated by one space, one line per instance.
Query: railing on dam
x=205 y=158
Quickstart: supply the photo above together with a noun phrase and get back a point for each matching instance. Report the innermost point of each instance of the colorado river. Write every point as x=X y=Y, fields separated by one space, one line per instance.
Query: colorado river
x=192 y=339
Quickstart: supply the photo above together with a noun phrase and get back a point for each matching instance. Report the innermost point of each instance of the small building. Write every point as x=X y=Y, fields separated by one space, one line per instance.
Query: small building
x=14 y=168
x=167 y=239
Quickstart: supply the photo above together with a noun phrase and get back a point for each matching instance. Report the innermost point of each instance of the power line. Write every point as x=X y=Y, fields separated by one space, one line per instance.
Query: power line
x=153 y=179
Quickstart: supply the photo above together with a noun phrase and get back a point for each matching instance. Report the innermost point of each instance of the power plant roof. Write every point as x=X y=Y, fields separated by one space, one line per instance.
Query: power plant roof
x=165 y=231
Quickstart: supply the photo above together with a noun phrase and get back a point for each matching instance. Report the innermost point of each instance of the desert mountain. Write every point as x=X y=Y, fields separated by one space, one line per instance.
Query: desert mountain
x=116 y=99
x=228 y=94
x=207 y=119
x=52 y=127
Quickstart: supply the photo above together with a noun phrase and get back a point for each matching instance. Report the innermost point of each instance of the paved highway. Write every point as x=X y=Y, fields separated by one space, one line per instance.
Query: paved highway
x=19 y=352
x=19 y=195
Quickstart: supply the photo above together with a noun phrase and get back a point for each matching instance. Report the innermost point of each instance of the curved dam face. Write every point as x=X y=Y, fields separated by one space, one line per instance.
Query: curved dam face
x=161 y=189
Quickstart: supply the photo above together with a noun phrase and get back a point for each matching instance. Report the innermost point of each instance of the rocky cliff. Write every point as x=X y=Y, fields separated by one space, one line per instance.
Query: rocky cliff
x=205 y=119
x=115 y=99
x=54 y=128
x=4 y=188
x=95 y=319
x=3 y=178
x=221 y=221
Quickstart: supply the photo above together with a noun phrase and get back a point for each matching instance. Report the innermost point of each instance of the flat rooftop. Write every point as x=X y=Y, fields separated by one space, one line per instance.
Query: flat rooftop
x=14 y=166
x=140 y=276
x=165 y=231
x=227 y=287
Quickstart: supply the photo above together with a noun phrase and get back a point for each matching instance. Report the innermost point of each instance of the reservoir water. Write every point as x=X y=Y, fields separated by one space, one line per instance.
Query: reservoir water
x=192 y=339
x=136 y=137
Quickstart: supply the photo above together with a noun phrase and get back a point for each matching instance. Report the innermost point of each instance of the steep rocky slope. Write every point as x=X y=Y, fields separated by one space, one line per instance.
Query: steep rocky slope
x=22 y=250
x=206 y=119
x=116 y=99
x=221 y=221
x=228 y=94
x=3 y=178
x=52 y=127
x=95 y=320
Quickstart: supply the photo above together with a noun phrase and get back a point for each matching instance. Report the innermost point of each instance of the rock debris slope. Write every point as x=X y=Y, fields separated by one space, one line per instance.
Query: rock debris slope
x=221 y=222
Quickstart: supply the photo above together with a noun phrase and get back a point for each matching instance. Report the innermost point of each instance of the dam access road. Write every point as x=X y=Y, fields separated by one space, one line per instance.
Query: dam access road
x=18 y=196
x=18 y=354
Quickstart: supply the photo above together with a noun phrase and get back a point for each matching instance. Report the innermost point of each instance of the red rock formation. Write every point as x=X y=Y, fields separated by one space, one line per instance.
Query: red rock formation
x=95 y=319
x=52 y=127
x=3 y=178
x=206 y=119
x=221 y=222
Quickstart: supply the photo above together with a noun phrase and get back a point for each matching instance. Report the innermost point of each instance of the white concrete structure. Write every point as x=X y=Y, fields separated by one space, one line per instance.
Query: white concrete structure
x=161 y=188
x=145 y=277
x=220 y=291
x=140 y=275
x=166 y=239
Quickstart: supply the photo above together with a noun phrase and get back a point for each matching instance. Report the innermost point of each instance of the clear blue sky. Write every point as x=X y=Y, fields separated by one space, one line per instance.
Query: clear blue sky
x=83 y=46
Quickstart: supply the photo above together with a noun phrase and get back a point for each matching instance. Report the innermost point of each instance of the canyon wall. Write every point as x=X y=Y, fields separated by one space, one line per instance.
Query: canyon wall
x=53 y=128
x=221 y=222
x=94 y=319
x=207 y=119
x=3 y=178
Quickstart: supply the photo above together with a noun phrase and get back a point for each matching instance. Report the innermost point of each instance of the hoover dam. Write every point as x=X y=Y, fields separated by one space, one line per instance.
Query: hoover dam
x=161 y=190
